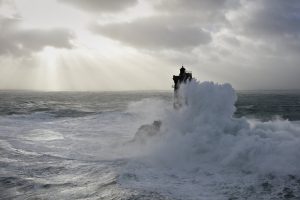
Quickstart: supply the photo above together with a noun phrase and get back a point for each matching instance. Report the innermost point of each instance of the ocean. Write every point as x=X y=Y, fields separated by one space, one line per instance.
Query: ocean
x=223 y=144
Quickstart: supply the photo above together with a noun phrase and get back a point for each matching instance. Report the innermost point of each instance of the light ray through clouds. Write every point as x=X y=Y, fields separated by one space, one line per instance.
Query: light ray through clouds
x=139 y=44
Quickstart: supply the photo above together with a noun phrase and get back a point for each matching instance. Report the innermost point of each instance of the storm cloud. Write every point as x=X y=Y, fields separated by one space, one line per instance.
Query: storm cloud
x=195 y=5
x=18 y=41
x=271 y=18
x=155 y=33
x=273 y=24
x=101 y=5
x=175 y=25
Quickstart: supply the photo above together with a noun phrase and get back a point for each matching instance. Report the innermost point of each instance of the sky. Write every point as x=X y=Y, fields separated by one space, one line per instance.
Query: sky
x=105 y=45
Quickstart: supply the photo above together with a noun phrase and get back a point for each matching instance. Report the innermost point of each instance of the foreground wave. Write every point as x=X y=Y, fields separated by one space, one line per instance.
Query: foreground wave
x=200 y=151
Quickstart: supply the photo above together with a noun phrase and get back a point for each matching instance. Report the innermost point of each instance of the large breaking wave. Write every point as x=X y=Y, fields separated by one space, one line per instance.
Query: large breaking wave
x=203 y=152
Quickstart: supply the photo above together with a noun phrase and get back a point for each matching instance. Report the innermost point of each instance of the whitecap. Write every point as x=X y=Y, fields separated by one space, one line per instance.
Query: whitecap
x=43 y=135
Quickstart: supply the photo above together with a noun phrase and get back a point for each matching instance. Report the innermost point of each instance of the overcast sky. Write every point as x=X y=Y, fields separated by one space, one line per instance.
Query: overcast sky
x=140 y=44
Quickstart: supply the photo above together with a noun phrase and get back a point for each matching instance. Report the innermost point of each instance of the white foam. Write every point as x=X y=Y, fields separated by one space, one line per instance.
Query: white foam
x=43 y=135
x=203 y=138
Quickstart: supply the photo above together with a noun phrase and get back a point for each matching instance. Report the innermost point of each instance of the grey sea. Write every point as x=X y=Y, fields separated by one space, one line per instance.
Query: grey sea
x=78 y=145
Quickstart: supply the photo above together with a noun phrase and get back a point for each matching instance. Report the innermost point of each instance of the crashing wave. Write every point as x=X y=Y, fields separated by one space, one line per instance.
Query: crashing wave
x=203 y=137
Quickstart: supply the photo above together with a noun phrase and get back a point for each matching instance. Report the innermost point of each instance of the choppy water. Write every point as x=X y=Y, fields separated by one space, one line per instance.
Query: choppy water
x=68 y=145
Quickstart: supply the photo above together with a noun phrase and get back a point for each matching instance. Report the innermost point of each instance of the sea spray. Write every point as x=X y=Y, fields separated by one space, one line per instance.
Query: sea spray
x=203 y=141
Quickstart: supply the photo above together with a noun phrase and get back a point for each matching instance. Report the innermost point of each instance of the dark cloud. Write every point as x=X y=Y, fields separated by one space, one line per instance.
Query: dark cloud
x=195 y=5
x=210 y=12
x=155 y=33
x=263 y=19
x=273 y=18
x=272 y=23
x=176 y=24
x=101 y=5
x=17 y=41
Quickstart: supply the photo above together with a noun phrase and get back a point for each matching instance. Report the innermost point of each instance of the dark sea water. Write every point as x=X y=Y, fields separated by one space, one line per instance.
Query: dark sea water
x=76 y=145
x=264 y=105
